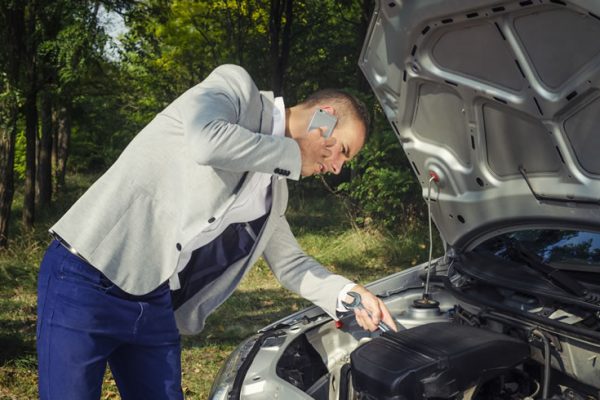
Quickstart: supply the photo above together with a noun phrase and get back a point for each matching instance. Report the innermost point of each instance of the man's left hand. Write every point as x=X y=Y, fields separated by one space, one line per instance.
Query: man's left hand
x=375 y=306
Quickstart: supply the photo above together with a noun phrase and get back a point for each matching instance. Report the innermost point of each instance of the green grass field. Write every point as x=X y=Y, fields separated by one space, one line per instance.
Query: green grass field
x=322 y=228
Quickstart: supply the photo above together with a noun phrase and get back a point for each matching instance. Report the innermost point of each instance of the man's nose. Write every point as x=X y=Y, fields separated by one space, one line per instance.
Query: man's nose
x=336 y=164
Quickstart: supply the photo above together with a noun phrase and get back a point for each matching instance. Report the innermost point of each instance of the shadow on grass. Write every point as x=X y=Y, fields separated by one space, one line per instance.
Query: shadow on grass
x=17 y=277
x=17 y=313
x=316 y=211
x=14 y=347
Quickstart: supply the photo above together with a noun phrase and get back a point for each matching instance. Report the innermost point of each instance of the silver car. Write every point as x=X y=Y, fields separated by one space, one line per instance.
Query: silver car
x=497 y=106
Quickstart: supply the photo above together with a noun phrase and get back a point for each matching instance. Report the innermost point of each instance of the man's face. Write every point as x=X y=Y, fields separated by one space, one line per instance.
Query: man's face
x=350 y=138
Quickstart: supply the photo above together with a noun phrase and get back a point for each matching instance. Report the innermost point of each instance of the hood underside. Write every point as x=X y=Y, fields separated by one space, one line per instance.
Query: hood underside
x=500 y=101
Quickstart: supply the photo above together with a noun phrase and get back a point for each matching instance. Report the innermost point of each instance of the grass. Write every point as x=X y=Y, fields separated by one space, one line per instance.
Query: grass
x=320 y=225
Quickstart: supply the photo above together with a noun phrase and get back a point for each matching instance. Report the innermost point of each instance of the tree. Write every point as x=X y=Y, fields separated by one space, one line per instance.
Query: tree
x=89 y=106
x=74 y=51
x=49 y=49
x=12 y=27
x=282 y=13
x=30 y=88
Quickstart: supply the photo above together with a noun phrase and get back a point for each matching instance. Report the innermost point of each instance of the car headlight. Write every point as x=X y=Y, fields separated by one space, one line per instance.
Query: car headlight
x=232 y=367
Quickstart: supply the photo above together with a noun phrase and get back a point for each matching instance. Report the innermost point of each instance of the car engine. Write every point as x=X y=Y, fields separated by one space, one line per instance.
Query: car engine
x=453 y=351
x=454 y=359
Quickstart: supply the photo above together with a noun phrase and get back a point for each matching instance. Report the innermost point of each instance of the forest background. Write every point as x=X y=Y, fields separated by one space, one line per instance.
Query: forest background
x=78 y=80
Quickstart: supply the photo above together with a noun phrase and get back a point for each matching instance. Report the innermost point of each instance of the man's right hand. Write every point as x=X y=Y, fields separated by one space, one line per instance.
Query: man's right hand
x=314 y=149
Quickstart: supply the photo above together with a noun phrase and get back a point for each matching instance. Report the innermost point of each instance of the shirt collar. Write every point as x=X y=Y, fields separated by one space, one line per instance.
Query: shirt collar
x=278 y=117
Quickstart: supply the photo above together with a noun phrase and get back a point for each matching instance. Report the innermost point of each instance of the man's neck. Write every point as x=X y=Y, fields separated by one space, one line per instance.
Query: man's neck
x=296 y=121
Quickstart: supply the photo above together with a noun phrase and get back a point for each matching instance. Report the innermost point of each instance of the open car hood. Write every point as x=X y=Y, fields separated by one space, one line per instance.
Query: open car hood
x=500 y=101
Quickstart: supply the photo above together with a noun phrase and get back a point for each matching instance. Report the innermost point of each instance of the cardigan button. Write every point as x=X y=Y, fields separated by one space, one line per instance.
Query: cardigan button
x=178 y=245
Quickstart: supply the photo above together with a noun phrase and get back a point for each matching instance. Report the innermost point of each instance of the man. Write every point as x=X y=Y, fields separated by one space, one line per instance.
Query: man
x=196 y=197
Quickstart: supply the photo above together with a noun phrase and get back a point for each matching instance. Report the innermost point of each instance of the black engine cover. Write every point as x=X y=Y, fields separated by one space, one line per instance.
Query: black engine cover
x=434 y=360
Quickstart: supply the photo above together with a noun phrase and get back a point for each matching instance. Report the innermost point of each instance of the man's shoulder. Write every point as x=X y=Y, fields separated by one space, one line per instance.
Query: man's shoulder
x=232 y=69
x=232 y=72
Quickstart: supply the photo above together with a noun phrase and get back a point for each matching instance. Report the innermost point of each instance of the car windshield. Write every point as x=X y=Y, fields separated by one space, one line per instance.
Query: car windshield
x=563 y=249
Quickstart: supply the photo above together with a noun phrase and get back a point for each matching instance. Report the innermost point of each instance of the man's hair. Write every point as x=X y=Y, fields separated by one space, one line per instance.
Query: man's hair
x=349 y=103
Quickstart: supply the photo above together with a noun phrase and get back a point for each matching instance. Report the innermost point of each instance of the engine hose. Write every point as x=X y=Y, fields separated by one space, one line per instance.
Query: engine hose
x=546 y=382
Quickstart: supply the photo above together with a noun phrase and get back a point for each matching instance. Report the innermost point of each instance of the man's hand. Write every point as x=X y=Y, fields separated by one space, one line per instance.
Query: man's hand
x=314 y=149
x=375 y=307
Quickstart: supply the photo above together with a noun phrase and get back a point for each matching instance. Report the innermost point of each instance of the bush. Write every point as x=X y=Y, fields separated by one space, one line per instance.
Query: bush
x=383 y=189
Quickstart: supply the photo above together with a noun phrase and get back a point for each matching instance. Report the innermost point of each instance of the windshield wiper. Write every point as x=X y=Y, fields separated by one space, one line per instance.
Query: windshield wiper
x=557 y=277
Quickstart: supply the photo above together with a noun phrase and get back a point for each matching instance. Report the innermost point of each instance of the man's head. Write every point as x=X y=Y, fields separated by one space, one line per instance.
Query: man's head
x=350 y=131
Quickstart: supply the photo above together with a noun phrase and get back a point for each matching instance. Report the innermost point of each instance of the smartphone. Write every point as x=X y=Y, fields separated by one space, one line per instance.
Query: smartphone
x=322 y=119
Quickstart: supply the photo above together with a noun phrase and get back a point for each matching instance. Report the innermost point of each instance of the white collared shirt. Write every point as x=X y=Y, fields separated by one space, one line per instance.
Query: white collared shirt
x=252 y=202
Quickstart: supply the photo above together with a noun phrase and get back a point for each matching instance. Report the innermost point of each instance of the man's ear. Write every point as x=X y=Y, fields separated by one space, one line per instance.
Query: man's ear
x=328 y=109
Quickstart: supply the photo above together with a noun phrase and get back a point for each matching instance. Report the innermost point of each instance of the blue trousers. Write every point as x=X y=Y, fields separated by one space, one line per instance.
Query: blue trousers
x=85 y=322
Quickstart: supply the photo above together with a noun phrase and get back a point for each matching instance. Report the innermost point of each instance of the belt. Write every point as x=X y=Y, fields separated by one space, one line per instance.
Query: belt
x=67 y=246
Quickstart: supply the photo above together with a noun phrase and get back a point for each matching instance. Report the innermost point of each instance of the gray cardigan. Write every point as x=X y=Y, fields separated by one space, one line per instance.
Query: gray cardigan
x=137 y=222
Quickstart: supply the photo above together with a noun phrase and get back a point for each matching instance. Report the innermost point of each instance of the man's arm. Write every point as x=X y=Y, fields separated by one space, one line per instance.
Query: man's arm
x=213 y=114
x=304 y=275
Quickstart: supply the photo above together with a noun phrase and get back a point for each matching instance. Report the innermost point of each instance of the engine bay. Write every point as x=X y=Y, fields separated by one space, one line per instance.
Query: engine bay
x=464 y=348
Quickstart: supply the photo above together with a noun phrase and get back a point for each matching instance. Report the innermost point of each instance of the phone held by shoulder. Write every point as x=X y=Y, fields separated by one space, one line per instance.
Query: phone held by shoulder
x=322 y=119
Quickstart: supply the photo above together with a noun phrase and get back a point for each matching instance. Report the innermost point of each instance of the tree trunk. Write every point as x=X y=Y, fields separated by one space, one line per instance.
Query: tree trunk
x=63 y=140
x=54 y=157
x=367 y=8
x=13 y=18
x=280 y=41
x=8 y=133
x=45 y=153
x=31 y=126
x=31 y=114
